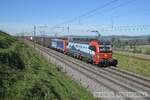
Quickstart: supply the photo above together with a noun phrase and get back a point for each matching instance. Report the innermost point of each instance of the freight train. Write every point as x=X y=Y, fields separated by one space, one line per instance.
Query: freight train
x=98 y=52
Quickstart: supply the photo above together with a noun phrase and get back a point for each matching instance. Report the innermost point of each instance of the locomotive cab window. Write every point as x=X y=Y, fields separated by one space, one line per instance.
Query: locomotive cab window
x=105 y=48
x=93 y=48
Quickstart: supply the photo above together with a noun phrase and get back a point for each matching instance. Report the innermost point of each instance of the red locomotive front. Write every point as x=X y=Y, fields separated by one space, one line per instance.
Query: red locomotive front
x=102 y=53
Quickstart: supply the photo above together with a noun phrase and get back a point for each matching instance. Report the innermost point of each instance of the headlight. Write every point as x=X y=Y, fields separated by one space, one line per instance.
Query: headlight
x=105 y=55
x=97 y=56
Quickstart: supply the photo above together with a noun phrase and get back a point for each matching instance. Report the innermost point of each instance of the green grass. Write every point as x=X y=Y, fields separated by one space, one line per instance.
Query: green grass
x=133 y=64
x=25 y=75
x=6 y=40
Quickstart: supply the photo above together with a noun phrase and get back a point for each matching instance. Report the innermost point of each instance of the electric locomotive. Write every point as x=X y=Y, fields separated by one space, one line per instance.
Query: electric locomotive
x=95 y=51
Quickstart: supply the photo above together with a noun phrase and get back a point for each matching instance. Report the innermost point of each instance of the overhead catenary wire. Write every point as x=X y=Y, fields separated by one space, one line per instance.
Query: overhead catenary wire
x=87 y=13
x=94 y=12
x=91 y=13
x=106 y=11
x=111 y=9
x=127 y=27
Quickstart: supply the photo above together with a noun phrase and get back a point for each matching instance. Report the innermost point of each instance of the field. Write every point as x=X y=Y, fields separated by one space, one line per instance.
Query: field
x=133 y=64
x=25 y=75
x=144 y=49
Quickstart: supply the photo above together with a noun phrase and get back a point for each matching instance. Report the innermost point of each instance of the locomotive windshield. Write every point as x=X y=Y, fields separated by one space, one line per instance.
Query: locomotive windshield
x=105 y=47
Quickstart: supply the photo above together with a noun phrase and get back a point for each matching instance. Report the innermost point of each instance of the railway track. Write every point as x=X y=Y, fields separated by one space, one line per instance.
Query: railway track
x=112 y=78
x=140 y=80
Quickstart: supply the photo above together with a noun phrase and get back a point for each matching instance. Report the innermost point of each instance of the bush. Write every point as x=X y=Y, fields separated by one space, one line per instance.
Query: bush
x=137 y=51
x=11 y=58
x=6 y=40
x=147 y=51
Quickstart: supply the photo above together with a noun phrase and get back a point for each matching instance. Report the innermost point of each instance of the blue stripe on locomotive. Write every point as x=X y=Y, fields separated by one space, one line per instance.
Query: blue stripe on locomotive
x=58 y=44
x=82 y=49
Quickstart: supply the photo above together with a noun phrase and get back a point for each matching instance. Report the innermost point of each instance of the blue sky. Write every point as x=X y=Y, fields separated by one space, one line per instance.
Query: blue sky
x=126 y=19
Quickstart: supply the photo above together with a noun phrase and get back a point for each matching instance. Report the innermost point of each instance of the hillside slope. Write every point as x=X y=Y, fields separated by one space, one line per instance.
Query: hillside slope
x=25 y=75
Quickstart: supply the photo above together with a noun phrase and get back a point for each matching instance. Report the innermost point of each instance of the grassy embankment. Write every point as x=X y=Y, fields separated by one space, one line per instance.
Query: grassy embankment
x=133 y=64
x=26 y=75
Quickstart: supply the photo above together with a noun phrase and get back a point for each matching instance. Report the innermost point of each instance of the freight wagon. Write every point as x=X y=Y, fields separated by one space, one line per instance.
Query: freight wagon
x=59 y=44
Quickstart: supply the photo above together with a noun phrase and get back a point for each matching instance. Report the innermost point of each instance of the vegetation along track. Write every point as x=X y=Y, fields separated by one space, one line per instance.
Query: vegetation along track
x=111 y=78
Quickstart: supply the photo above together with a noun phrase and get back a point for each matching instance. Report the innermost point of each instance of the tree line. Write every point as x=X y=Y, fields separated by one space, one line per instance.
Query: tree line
x=130 y=45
